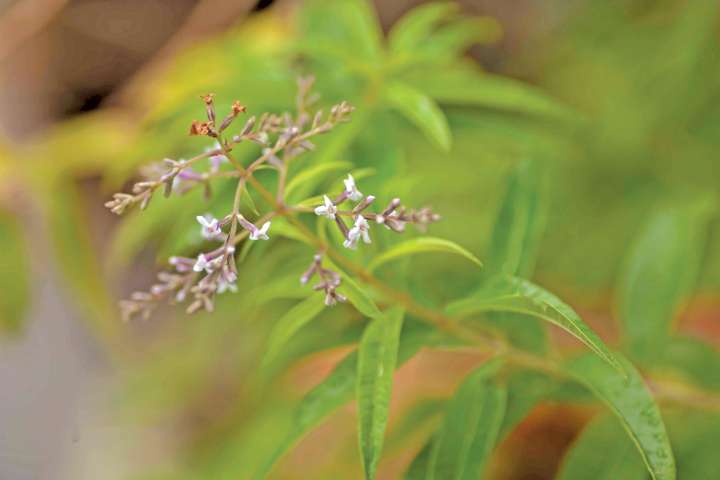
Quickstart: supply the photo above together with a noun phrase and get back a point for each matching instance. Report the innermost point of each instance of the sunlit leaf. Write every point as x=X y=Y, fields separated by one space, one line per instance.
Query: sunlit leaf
x=377 y=356
x=14 y=273
x=603 y=452
x=421 y=245
x=357 y=296
x=471 y=427
x=295 y=318
x=510 y=294
x=420 y=110
x=629 y=399
x=659 y=274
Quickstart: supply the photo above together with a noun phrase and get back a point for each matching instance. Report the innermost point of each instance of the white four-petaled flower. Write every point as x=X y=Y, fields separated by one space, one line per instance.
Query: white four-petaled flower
x=202 y=263
x=360 y=229
x=210 y=227
x=328 y=210
x=260 y=233
x=351 y=189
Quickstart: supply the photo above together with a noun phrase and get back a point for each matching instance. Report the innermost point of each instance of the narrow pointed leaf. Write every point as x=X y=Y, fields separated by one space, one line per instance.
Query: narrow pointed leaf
x=357 y=296
x=377 y=356
x=471 y=427
x=629 y=399
x=422 y=111
x=510 y=294
x=659 y=275
x=417 y=24
x=420 y=466
x=333 y=392
x=422 y=245
x=308 y=179
x=290 y=323
x=519 y=223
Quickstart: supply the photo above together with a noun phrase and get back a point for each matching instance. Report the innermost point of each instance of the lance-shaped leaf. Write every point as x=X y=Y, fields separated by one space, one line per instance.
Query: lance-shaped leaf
x=467 y=85
x=305 y=181
x=416 y=25
x=422 y=111
x=421 y=245
x=290 y=323
x=629 y=399
x=471 y=427
x=619 y=458
x=377 y=356
x=659 y=274
x=359 y=299
x=513 y=249
x=420 y=466
x=509 y=294
x=337 y=390
x=14 y=266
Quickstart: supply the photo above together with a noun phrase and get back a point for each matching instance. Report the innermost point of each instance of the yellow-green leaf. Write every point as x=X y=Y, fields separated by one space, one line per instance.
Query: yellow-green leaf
x=422 y=245
x=422 y=111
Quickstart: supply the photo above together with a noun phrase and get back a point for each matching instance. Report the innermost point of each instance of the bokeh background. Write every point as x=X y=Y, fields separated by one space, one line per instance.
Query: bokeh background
x=622 y=108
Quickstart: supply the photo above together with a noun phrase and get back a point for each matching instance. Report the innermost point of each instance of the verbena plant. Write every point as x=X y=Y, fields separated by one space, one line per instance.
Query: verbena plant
x=270 y=226
x=495 y=396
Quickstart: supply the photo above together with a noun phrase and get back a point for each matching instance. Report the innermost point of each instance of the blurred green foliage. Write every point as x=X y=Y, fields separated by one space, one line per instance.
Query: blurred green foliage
x=607 y=181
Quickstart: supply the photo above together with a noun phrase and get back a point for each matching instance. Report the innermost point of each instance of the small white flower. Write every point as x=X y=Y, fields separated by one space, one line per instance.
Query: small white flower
x=361 y=229
x=202 y=263
x=328 y=210
x=225 y=286
x=210 y=227
x=351 y=189
x=260 y=233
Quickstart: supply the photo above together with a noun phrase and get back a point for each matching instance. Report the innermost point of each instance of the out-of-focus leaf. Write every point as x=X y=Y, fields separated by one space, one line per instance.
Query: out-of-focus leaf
x=305 y=181
x=354 y=29
x=629 y=399
x=290 y=323
x=471 y=427
x=287 y=286
x=692 y=359
x=420 y=110
x=451 y=40
x=659 y=274
x=603 y=452
x=466 y=85
x=377 y=356
x=420 y=465
x=357 y=296
x=510 y=294
x=519 y=223
x=417 y=24
x=525 y=389
x=336 y=390
x=421 y=245
x=14 y=274
x=281 y=227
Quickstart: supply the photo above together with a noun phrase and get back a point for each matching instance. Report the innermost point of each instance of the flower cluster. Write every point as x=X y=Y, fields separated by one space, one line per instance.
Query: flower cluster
x=394 y=217
x=281 y=139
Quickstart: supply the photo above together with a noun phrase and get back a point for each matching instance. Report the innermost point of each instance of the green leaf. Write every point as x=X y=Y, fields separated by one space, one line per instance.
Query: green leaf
x=14 y=273
x=659 y=275
x=630 y=400
x=416 y=25
x=519 y=223
x=467 y=85
x=377 y=356
x=525 y=389
x=421 y=245
x=451 y=40
x=295 y=318
x=420 y=110
x=336 y=390
x=420 y=465
x=619 y=458
x=305 y=181
x=509 y=294
x=471 y=427
x=358 y=297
